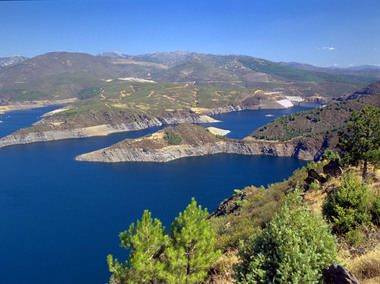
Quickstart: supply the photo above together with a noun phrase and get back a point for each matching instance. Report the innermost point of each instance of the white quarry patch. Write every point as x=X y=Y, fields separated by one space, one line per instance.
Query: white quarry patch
x=294 y=98
x=218 y=131
x=285 y=103
x=207 y=119
x=273 y=93
x=134 y=79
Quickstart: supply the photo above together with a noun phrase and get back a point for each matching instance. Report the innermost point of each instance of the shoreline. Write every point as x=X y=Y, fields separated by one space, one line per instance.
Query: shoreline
x=34 y=104
x=203 y=116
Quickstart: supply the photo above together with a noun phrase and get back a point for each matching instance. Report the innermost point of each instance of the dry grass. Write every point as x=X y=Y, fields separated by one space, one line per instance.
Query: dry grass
x=314 y=200
x=221 y=271
x=365 y=267
x=363 y=261
x=375 y=280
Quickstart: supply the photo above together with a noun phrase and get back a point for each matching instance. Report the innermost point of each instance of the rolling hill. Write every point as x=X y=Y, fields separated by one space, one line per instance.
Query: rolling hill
x=61 y=75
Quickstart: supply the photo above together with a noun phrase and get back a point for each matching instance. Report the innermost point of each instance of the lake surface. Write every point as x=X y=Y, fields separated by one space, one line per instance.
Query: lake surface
x=60 y=218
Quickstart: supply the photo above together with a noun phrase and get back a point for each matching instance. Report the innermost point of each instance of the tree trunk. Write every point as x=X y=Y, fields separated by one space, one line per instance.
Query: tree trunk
x=188 y=264
x=365 y=166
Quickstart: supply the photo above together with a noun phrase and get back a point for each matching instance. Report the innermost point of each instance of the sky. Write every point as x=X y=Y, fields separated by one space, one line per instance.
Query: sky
x=319 y=32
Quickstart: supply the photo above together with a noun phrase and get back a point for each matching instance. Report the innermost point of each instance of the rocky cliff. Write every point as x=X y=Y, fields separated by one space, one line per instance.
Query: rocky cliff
x=50 y=129
x=197 y=141
x=58 y=126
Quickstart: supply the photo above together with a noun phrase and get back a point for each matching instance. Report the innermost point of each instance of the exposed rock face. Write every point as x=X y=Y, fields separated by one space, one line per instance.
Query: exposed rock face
x=196 y=142
x=337 y=274
x=333 y=168
x=49 y=130
x=228 y=205
x=312 y=176
x=95 y=124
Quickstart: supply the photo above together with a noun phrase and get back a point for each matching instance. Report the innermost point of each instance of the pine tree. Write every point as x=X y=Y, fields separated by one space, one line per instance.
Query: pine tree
x=361 y=140
x=295 y=247
x=147 y=241
x=192 y=249
x=348 y=206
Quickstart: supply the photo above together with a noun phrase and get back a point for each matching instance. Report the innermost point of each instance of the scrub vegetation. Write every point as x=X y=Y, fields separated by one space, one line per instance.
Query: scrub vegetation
x=289 y=232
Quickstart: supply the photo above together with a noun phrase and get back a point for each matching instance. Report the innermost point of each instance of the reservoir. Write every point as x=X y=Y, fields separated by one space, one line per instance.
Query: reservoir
x=61 y=218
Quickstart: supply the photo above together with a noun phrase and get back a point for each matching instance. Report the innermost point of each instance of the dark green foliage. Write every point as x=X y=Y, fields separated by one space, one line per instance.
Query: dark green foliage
x=361 y=139
x=191 y=252
x=31 y=95
x=330 y=155
x=173 y=138
x=147 y=241
x=311 y=123
x=348 y=206
x=89 y=93
x=375 y=210
x=294 y=248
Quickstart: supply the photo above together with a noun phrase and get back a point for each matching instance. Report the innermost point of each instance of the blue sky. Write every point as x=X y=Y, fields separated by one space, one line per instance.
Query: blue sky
x=320 y=32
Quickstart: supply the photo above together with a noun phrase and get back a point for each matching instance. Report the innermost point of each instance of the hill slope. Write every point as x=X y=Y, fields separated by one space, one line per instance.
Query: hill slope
x=315 y=122
x=60 y=75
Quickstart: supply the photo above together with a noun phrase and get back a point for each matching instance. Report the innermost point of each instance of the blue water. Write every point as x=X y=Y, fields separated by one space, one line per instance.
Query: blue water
x=60 y=218
x=242 y=123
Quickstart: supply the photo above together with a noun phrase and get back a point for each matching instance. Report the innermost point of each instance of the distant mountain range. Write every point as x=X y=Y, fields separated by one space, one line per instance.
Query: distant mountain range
x=58 y=75
x=363 y=70
x=11 y=60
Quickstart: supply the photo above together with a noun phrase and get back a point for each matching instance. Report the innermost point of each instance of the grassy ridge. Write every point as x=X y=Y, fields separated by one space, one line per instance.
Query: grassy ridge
x=157 y=98
x=313 y=122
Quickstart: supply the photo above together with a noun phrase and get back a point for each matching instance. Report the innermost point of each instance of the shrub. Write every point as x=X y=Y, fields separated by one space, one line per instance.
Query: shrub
x=354 y=237
x=173 y=138
x=311 y=165
x=314 y=185
x=330 y=155
x=348 y=206
x=375 y=210
x=294 y=248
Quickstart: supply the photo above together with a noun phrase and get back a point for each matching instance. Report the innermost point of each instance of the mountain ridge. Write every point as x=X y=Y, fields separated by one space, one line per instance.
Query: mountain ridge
x=62 y=75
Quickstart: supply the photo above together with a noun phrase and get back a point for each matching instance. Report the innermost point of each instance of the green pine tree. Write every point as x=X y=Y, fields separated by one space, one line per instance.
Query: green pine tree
x=295 y=247
x=147 y=241
x=348 y=206
x=361 y=140
x=192 y=249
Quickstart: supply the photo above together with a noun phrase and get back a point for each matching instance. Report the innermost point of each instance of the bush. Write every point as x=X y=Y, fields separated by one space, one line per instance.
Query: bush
x=294 y=248
x=173 y=138
x=330 y=155
x=354 y=237
x=314 y=185
x=375 y=210
x=348 y=207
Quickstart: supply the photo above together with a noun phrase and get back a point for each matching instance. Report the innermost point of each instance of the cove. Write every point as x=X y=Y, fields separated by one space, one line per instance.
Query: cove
x=60 y=218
